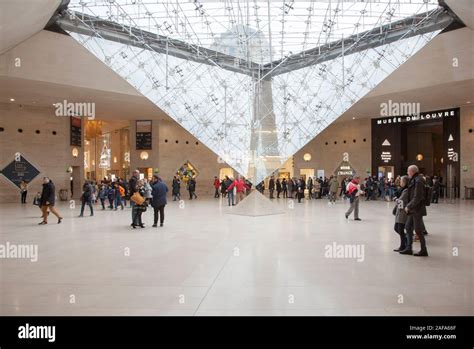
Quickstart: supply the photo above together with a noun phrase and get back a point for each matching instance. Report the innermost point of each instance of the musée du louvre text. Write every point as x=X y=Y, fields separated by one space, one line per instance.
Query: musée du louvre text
x=421 y=117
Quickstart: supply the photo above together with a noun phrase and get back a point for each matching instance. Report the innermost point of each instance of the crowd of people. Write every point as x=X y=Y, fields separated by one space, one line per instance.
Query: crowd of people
x=412 y=193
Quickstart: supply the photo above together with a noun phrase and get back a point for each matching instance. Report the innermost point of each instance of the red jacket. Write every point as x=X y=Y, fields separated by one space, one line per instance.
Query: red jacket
x=217 y=183
x=239 y=184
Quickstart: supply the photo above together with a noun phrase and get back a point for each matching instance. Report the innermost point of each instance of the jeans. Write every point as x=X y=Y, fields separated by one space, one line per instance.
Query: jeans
x=158 y=211
x=134 y=213
x=230 y=197
x=83 y=204
x=415 y=222
x=354 y=207
x=118 y=201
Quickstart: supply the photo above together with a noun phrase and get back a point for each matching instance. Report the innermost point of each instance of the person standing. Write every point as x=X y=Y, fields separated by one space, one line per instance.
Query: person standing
x=47 y=201
x=132 y=189
x=192 y=188
x=353 y=191
x=300 y=187
x=290 y=188
x=284 y=187
x=436 y=190
x=230 y=194
x=23 y=191
x=217 y=185
x=139 y=206
x=399 y=211
x=158 y=202
x=309 y=185
x=415 y=210
x=240 y=186
x=271 y=186
x=103 y=195
x=278 y=187
x=176 y=188
x=333 y=187
x=317 y=189
x=86 y=198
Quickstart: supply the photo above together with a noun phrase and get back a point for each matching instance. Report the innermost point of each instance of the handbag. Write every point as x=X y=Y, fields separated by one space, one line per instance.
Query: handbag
x=137 y=198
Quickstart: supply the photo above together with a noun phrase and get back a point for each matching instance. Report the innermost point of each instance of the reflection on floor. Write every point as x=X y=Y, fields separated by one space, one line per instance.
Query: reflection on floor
x=206 y=262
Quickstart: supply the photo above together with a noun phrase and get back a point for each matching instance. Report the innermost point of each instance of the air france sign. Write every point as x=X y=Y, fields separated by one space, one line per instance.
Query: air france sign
x=421 y=117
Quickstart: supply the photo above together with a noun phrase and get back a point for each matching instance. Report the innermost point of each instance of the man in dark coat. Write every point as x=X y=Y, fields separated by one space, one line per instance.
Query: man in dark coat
x=158 y=202
x=48 y=199
x=415 y=210
x=436 y=190
x=132 y=189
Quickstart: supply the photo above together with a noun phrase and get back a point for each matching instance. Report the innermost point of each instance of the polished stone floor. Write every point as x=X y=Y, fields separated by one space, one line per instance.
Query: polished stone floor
x=207 y=262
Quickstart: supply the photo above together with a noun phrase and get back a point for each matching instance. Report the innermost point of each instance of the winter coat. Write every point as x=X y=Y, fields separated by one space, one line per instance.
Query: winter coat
x=416 y=196
x=401 y=215
x=48 y=195
x=159 y=190
x=333 y=185
x=239 y=184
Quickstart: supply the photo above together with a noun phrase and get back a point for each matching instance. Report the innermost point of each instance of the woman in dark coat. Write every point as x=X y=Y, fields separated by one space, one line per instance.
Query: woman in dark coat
x=48 y=199
x=176 y=189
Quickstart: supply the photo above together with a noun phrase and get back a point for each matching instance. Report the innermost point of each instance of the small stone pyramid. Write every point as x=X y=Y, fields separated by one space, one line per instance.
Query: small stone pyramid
x=256 y=204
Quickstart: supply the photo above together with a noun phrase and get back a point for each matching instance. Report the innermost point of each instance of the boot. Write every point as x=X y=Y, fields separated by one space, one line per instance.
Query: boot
x=409 y=242
x=423 y=251
x=402 y=244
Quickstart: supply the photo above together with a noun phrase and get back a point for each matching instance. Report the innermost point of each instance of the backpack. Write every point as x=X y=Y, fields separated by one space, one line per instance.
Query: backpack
x=428 y=195
x=122 y=191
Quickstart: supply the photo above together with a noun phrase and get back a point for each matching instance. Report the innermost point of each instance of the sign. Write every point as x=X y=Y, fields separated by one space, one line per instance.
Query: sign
x=344 y=168
x=76 y=131
x=321 y=174
x=421 y=117
x=386 y=156
x=143 y=135
x=19 y=170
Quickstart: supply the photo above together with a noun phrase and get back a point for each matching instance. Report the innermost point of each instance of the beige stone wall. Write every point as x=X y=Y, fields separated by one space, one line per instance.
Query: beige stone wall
x=467 y=147
x=328 y=157
x=51 y=154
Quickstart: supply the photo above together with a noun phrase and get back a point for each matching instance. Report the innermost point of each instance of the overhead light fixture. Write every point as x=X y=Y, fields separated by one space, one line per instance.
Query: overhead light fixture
x=12 y=99
x=468 y=102
x=307 y=157
x=419 y=157
x=75 y=152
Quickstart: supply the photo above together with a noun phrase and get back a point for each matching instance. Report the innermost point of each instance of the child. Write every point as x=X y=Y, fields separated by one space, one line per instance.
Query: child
x=400 y=214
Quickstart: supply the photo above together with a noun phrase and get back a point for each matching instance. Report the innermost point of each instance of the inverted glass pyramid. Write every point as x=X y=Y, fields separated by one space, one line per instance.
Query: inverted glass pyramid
x=253 y=80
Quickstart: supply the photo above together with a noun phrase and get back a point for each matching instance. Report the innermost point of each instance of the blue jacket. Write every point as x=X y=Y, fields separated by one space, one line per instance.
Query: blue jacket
x=159 y=190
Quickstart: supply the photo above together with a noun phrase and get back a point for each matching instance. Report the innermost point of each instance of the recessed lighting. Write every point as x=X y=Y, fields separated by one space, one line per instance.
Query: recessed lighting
x=468 y=102
x=353 y=118
x=12 y=99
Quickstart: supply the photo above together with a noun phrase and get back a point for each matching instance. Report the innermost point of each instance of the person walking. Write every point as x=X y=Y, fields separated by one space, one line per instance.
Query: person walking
x=415 y=210
x=399 y=211
x=23 y=191
x=103 y=195
x=118 y=193
x=353 y=191
x=86 y=198
x=192 y=188
x=333 y=187
x=148 y=189
x=47 y=201
x=176 y=189
x=158 y=202
x=271 y=186
x=217 y=185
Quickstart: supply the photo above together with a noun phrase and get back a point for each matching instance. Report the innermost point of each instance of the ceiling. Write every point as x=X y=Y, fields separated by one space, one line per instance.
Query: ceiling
x=20 y=19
